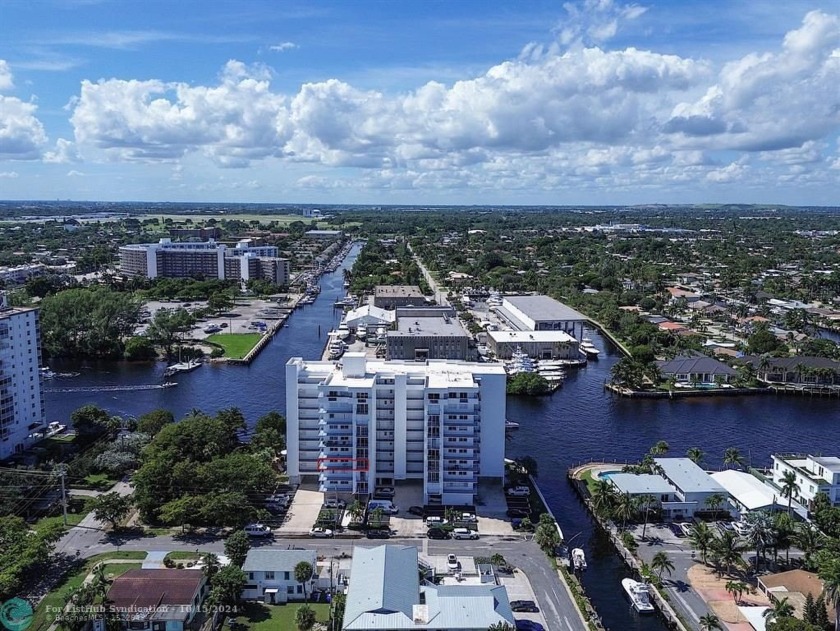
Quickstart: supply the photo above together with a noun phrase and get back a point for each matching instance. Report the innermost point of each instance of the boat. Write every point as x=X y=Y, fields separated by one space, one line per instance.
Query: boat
x=511 y=425
x=347 y=301
x=588 y=348
x=187 y=366
x=639 y=594
x=46 y=373
x=578 y=559
x=343 y=331
x=519 y=362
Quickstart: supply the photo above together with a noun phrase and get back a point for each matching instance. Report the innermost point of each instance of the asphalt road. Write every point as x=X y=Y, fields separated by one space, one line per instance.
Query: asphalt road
x=552 y=597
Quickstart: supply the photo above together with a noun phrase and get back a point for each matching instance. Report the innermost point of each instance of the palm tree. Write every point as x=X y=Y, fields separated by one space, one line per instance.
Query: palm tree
x=303 y=574
x=728 y=550
x=789 y=487
x=733 y=457
x=376 y=516
x=660 y=448
x=830 y=575
x=695 y=454
x=644 y=503
x=603 y=497
x=737 y=589
x=211 y=565
x=808 y=538
x=356 y=510
x=760 y=533
x=304 y=617
x=624 y=509
x=702 y=538
x=710 y=622
x=715 y=501
x=781 y=609
x=661 y=562
x=500 y=626
x=784 y=529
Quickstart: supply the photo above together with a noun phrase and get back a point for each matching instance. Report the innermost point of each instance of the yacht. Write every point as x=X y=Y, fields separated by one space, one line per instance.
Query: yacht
x=519 y=362
x=639 y=594
x=578 y=559
x=187 y=366
x=588 y=348
x=343 y=330
x=511 y=425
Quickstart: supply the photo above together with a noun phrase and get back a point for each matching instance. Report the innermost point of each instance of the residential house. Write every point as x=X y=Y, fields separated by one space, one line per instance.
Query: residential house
x=819 y=371
x=748 y=493
x=385 y=593
x=795 y=585
x=158 y=599
x=271 y=575
x=814 y=475
x=696 y=368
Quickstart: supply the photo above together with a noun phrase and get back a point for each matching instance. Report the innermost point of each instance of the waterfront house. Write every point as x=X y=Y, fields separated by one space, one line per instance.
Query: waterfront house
x=696 y=368
x=814 y=475
x=385 y=592
x=748 y=493
x=158 y=599
x=819 y=371
x=271 y=578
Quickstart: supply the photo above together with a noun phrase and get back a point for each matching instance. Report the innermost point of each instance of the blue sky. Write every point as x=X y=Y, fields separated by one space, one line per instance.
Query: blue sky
x=432 y=102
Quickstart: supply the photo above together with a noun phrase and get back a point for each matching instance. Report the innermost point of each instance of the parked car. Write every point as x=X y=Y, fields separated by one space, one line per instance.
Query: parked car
x=467 y=517
x=437 y=533
x=518 y=491
x=524 y=606
x=434 y=520
x=387 y=507
x=726 y=526
x=321 y=533
x=518 y=512
x=528 y=625
x=386 y=492
x=675 y=528
x=741 y=528
x=258 y=530
x=686 y=528
x=335 y=503
x=464 y=533
x=378 y=533
x=416 y=510
x=452 y=562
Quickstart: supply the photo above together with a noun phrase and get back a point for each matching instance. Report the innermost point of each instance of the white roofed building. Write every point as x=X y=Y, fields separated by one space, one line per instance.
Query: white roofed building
x=539 y=344
x=814 y=475
x=748 y=493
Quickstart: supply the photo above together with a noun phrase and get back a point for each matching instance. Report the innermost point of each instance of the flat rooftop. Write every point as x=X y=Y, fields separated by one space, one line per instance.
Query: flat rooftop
x=685 y=474
x=440 y=327
x=541 y=308
x=397 y=291
x=641 y=484
x=832 y=463
x=530 y=336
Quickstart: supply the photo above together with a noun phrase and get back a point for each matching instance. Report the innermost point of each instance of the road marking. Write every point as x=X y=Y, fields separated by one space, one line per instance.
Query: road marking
x=568 y=624
x=686 y=606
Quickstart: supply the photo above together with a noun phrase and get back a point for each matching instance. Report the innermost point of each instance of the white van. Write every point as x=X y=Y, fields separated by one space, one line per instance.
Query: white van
x=386 y=506
x=258 y=530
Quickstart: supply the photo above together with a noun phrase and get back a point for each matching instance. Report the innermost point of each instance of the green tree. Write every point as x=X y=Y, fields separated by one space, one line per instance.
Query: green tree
x=138 y=348
x=715 y=501
x=780 y=609
x=168 y=328
x=528 y=383
x=710 y=622
x=270 y=433
x=211 y=565
x=695 y=454
x=180 y=510
x=303 y=574
x=226 y=586
x=546 y=535
x=219 y=302
x=791 y=624
x=808 y=538
x=737 y=589
x=659 y=449
x=304 y=618
x=152 y=422
x=111 y=507
x=702 y=538
x=356 y=510
x=237 y=546
x=603 y=497
x=22 y=550
x=830 y=575
x=91 y=420
x=733 y=457
x=661 y=562
x=727 y=550
x=789 y=488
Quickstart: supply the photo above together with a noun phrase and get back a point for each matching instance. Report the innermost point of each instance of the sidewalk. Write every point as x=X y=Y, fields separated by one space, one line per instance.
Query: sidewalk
x=89 y=531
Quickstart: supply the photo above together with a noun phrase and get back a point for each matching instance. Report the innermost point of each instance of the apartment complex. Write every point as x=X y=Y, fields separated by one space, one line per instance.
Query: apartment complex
x=420 y=337
x=814 y=475
x=357 y=424
x=171 y=259
x=21 y=401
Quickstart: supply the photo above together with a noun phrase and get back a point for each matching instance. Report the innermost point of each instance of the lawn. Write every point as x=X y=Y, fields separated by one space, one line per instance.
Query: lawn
x=259 y=617
x=236 y=345
x=46 y=610
x=586 y=476
x=78 y=507
x=113 y=570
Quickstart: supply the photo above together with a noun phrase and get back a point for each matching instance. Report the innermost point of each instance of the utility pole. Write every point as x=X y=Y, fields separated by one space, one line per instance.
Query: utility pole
x=61 y=469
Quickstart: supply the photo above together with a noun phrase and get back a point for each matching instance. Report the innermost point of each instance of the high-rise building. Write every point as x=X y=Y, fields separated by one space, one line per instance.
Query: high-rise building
x=171 y=259
x=21 y=401
x=358 y=424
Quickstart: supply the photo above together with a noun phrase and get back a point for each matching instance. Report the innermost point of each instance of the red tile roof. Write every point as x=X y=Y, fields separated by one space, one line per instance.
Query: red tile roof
x=153 y=588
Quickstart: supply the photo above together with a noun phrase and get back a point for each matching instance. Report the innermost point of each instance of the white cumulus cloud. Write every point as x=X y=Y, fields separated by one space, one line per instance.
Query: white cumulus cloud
x=21 y=133
x=282 y=47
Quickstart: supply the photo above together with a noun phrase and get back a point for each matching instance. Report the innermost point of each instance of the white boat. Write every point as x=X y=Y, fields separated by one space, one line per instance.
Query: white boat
x=187 y=366
x=343 y=331
x=552 y=374
x=578 y=559
x=639 y=594
x=510 y=425
x=588 y=348
x=519 y=362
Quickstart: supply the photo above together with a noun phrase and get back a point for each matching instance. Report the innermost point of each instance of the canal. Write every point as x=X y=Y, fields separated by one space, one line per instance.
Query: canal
x=579 y=422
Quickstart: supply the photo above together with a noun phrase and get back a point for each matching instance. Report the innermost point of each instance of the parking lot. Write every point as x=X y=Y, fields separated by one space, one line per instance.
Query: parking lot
x=519 y=588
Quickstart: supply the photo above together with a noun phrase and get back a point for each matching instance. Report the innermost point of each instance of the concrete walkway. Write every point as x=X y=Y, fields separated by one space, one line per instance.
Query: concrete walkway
x=154 y=560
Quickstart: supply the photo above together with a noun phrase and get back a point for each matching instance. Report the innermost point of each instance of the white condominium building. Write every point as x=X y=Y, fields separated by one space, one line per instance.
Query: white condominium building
x=814 y=475
x=21 y=402
x=357 y=424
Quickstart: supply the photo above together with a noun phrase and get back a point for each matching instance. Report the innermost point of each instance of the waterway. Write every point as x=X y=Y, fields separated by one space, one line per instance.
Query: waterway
x=579 y=422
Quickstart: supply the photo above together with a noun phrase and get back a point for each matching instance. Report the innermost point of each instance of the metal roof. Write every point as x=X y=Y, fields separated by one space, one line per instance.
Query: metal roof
x=261 y=559
x=694 y=365
x=687 y=476
x=748 y=490
x=540 y=308
x=416 y=327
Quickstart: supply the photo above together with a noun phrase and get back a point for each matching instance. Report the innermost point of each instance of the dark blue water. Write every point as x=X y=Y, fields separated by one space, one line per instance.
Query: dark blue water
x=579 y=422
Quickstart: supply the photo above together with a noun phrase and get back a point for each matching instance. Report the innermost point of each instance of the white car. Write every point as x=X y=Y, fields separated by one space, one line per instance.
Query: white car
x=741 y=528
x=467 y=517
x=334 y=503
x=452 y=562
x=432 y=520
x=258 y=530
x=321 y=533
x=520 y=491
x=464 y=533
